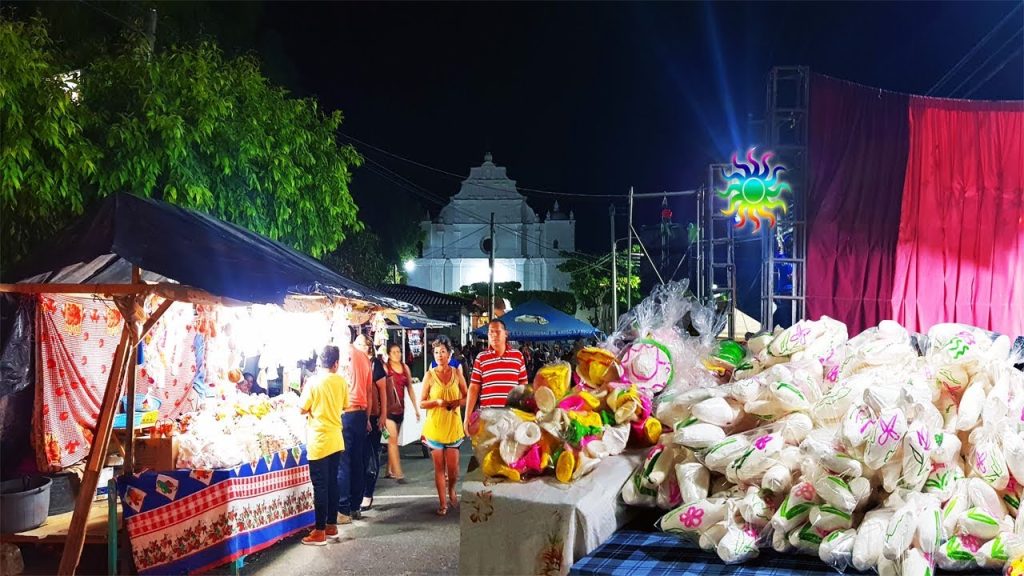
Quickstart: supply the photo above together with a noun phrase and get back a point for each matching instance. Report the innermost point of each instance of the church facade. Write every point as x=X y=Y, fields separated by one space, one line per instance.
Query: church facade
x=526 y=248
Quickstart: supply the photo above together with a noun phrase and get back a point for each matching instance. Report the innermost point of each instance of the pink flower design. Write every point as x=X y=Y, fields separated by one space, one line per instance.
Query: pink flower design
x=967 y=337
x=888 y=431
x=763 y=441
x=751 y=531
x=924 y=440
x=800 y=334
x=970 y=543
x=979 y=462
x=1012 y=485
x=806 y=491
x=692 y=517
x=833 y=374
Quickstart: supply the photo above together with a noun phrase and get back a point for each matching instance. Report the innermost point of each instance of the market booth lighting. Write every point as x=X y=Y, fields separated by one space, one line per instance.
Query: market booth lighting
x=203 y=296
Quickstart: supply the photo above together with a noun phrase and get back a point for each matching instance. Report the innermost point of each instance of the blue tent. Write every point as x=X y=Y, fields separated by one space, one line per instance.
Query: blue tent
x=535 y=320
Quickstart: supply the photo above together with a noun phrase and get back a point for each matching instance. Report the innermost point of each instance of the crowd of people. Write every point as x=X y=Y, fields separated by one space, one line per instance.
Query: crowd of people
x=347 y=418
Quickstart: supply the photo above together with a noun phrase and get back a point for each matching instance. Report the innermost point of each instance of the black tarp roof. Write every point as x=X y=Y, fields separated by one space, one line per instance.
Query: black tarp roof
x=191 y=248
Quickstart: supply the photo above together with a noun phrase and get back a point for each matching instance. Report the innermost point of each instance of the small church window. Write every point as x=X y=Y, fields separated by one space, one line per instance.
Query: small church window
x=555 y=245
x=485 y=245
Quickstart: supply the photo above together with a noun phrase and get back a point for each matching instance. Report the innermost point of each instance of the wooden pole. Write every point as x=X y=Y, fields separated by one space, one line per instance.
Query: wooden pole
x=97 y=454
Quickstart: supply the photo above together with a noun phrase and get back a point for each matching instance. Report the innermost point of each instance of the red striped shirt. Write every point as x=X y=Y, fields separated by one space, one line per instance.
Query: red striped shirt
x=497 y=376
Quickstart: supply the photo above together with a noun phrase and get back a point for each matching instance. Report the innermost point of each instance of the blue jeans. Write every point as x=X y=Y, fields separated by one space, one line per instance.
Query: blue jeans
x=372 y=457
x=352 y=472
x=324 y=474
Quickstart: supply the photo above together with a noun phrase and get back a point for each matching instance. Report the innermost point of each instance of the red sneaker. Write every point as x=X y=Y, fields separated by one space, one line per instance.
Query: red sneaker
x=315 y=538
x=332 y=532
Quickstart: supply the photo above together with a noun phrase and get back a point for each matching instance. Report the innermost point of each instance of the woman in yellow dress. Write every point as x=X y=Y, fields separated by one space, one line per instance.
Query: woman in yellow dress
x=444 y=393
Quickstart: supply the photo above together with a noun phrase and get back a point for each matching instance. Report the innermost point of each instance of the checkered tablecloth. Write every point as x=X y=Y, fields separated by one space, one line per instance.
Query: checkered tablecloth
x=632 y=553
x=188 y=521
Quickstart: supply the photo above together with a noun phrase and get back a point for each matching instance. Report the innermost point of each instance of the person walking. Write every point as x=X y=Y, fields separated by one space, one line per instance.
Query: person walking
x=496 y=372
x=378 y=420
x=399 y=380
x=355 y=427
x=322 y=401
x=444 y=392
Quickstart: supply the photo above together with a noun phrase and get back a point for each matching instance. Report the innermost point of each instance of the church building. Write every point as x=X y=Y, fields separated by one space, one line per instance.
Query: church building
x=457 y=243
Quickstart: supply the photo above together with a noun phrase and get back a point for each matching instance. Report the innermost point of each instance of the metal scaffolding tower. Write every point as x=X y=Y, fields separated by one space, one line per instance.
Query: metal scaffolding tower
x=718 y=249
x=784 y=248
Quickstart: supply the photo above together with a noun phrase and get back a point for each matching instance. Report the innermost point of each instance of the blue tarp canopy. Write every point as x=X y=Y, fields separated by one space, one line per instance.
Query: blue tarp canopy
x=535 y=320
x=188 y=247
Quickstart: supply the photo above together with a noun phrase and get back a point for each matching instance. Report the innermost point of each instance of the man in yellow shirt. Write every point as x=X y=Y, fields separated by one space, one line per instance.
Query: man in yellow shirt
x=323 y=400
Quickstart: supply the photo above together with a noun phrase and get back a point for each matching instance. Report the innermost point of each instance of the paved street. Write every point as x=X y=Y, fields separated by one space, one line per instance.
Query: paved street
x=401 y=535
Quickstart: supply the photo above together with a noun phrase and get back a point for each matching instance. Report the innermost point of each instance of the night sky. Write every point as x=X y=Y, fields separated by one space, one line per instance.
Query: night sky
x=591 y=99
x=578 y=98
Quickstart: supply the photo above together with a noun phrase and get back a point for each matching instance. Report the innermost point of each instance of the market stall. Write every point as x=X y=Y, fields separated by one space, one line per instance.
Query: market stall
x=176 y=348
x=534 y=321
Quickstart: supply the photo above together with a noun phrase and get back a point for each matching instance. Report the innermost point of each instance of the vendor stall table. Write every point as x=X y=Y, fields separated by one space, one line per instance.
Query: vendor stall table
x=193 y=520
x=541 y=526
x=635 y=553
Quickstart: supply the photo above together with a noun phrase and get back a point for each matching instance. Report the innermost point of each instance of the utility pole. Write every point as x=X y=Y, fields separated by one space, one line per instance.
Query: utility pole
x=615 y=271
x=151 y=30
x=629 y=254
x=490 y=260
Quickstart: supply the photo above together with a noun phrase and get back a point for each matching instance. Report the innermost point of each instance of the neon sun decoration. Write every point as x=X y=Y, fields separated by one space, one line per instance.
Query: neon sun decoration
x=754 y=195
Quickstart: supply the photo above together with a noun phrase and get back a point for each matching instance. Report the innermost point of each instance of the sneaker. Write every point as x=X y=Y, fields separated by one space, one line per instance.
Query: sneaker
x=332 y=532
x=344 y=518
x=315 y=538
x=357 y=515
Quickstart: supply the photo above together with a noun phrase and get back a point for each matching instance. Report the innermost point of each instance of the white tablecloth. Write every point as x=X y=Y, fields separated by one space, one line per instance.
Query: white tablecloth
x=541 y=526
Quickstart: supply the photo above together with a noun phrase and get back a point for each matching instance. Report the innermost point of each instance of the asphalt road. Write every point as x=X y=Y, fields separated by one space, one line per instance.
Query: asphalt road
x=401 y=535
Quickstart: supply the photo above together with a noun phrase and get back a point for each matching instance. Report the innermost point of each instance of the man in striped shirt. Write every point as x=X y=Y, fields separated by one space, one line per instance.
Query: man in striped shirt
x=496 y=371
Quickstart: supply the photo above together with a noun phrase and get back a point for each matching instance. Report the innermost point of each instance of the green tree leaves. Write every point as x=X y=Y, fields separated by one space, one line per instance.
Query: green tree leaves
x=187 y=125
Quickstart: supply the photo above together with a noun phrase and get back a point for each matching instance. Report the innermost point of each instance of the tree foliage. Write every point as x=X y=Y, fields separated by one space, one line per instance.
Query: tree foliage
x=591 y=281
x=46 y=161
x=361 y=257
x=482 y=290
x=186 y=125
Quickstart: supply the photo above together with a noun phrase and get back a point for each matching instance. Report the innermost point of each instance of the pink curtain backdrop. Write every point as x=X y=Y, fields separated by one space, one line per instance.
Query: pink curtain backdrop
x=960 y=255
x=858 y=150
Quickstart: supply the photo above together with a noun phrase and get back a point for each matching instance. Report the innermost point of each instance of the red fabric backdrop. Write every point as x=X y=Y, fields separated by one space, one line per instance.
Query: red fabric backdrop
x=858 y=150
x=77 y=338
x=960 y=256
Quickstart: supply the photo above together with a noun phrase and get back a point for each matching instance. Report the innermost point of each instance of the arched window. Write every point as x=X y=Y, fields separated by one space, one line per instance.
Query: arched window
x=485 y=245
x=555 y=245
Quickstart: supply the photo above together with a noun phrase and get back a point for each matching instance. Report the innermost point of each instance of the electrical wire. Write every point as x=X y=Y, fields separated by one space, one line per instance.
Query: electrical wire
x=948 y=75
x=996 y=71
x=130 y=26
x=421 y=192
x=983 y=66
x=463 y=177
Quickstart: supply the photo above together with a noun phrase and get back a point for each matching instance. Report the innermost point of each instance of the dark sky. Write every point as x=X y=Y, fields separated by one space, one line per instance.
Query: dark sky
x=577 y=98
x=593 y=98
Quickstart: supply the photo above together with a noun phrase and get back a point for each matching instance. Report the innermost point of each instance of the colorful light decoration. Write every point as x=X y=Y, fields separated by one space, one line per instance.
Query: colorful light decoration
x=755 y=193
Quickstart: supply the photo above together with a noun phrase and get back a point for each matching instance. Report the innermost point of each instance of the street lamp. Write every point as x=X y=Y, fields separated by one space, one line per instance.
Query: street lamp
x=409 y=265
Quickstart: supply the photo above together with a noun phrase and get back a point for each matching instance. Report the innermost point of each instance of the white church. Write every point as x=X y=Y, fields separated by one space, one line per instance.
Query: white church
x=528 y=250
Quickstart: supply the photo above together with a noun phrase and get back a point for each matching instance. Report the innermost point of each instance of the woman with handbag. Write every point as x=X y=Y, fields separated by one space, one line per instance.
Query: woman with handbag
x=399 y=379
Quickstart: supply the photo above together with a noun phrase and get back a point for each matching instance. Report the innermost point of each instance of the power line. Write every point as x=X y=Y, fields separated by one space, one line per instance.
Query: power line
x=131 y=26
x=985 y=64
x=422 y=192
x=948 y=75
x=462 y=177
x=996 y=71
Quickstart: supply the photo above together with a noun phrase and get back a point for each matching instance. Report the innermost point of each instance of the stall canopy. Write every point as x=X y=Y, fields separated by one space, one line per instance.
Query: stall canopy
x=535 y=320
x=194 y=249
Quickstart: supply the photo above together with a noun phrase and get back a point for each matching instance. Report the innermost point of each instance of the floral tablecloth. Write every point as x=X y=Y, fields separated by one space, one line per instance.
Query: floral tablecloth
x=188 y=521
x=541 y=526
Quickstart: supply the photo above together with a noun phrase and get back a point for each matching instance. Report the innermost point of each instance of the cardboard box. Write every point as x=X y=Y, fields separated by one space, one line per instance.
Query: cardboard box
x=102 y=486
x=156 y=453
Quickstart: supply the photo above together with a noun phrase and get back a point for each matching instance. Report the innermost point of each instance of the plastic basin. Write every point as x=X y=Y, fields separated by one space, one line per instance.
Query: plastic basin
x=24 y=503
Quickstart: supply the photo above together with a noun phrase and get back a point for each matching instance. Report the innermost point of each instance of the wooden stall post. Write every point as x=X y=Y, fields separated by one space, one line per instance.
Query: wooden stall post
x=97 y=454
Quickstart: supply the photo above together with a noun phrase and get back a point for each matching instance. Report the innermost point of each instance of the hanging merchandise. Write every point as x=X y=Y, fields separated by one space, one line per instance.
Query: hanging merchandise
x=415 y=342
